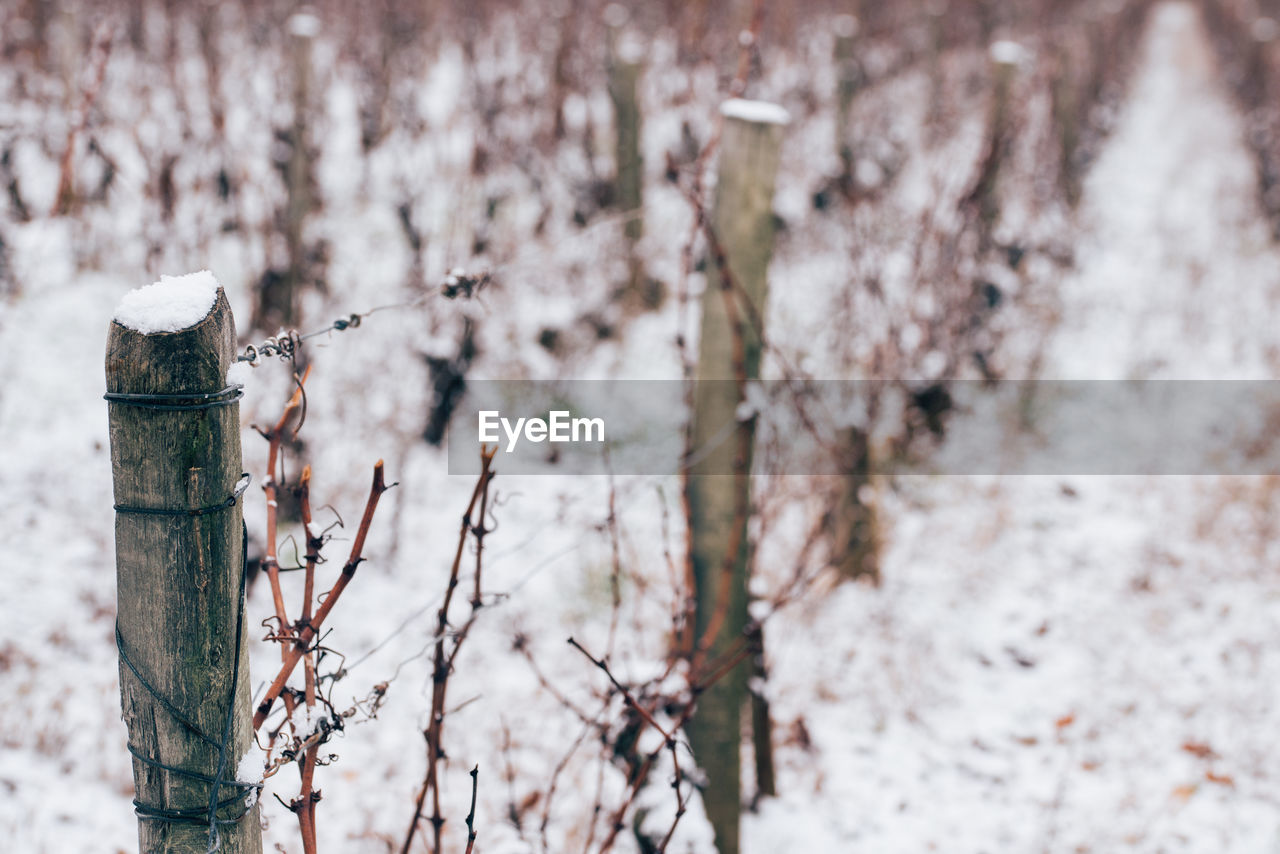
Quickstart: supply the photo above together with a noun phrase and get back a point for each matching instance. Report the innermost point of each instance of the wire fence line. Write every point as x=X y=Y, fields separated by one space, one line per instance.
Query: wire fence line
x=458 y=283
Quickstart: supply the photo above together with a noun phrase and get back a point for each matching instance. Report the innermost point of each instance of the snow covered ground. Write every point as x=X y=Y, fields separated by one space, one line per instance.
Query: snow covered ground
x=1056 y=664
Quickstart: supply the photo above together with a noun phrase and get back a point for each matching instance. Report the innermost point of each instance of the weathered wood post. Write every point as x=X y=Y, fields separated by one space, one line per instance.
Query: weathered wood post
x=855 y=534
x=184 y=665
x=1065 y=91
x=1005 y=57
x=279 y=291
x=719 y=486
x=625 y=64
x=936 y=10
x=849 y=79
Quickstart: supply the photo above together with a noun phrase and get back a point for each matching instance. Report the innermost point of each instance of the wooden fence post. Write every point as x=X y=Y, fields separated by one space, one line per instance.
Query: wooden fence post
x=855 y=534
x=742 y=223
x=625 y=64
x=184 y=665
x=983 y=199
x=849 y=79
x=280 y=291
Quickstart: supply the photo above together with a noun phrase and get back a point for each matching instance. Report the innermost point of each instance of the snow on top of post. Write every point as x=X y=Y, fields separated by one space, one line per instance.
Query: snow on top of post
x=630 y=49
x=172 y=304
x=1006 y=52
x=845 y=26
x=755 y=111
x=303 y=25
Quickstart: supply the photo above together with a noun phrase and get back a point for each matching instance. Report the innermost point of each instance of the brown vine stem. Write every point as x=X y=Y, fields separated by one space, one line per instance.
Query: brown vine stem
x=471 y=816
x=748 y=46
x=622 y=689
x=274 y=436
x=615 y=570
x=668 y=743
x=310 y=631
x=443 y=661
x=305 y=805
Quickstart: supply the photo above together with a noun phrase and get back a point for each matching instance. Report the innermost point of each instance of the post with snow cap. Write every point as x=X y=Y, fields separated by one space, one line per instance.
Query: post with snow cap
x=731 y=340
x=1005 y=56
x=280 y=290
x=849 y=78
x=176 y=467
x=625 y=65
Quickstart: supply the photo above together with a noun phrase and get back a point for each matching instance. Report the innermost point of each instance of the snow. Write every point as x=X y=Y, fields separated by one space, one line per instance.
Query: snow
x=170 y=305
x=845 y=26
x=251 y=767
x=1008 y=53
x=760 y=112
x=303 y=25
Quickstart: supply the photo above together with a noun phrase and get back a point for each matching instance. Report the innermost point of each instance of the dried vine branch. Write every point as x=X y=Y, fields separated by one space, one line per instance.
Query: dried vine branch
x=471 y=815
x=275 y=436
x=305 y=805
x=308 y=633
x=443 y=659
x=299 y=641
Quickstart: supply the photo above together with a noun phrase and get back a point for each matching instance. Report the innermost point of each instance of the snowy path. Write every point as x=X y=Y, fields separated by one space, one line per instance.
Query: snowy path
x=1024 y=680
x=1177 y=274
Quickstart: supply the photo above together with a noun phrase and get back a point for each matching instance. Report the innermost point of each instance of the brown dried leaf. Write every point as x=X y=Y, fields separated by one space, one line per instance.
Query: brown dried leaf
x=1220 y=779
x=1199 y=750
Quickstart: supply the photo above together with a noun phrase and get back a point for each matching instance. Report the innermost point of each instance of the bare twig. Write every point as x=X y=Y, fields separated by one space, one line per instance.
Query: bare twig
x=308 y=633
x=444 y=660
x=270 y=563
x=471 y=815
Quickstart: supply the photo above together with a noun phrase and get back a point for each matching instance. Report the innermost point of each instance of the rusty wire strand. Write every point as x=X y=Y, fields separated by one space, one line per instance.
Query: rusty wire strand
x=285 y=345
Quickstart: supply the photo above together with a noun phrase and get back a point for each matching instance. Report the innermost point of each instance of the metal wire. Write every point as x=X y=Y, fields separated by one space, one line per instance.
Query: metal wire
x=458 y=283
x=204 y=816
x=179 y=401
x=229 y=501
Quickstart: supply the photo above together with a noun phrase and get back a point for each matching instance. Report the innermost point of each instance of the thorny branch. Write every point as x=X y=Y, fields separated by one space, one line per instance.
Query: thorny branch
x=640 y=771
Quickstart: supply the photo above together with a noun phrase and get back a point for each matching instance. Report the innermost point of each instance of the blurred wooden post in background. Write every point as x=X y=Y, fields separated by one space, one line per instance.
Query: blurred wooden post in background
x=855 y=534
x=277 y=306
x=719 y=485
x=848 y=82
x=1067 y=109
x=1005 y=56
x=625 y=66
x=936 y=10
x=176 y=467
x=1263 y=33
